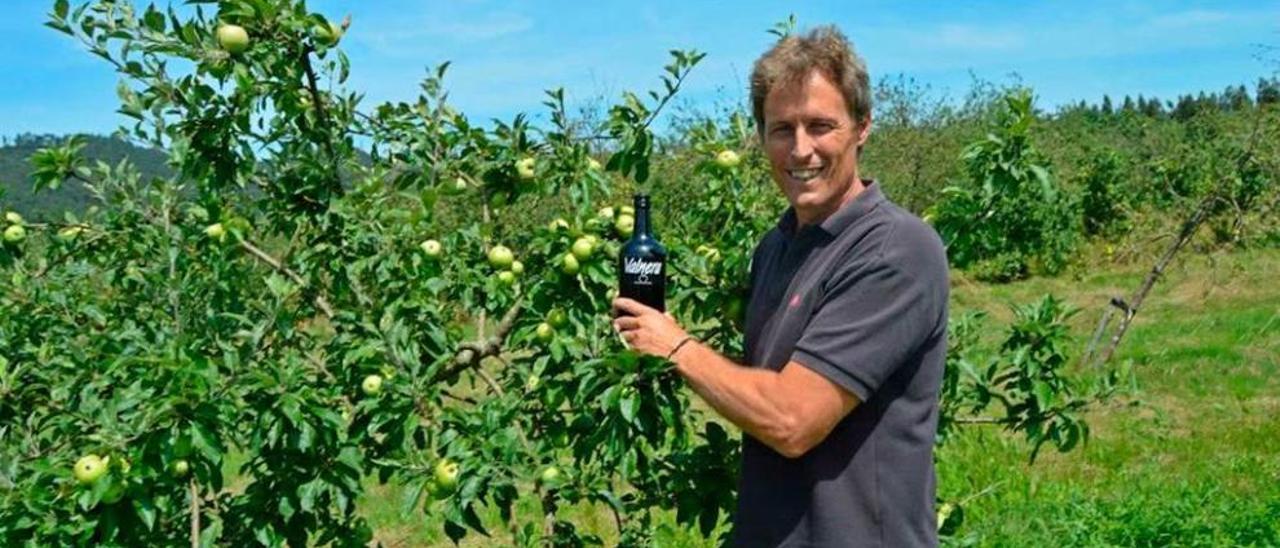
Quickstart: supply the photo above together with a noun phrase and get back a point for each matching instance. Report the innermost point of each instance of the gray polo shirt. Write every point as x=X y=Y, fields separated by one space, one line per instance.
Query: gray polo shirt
x=860 y=298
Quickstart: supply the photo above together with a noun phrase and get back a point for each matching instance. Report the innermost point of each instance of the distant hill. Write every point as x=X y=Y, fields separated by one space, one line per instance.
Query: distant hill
x=15 y=170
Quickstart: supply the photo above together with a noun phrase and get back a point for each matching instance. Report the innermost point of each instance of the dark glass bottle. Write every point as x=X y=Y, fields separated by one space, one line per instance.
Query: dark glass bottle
x=642 y=264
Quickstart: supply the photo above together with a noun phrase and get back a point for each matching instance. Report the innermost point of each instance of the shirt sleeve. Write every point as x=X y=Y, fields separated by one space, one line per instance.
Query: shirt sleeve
x=871 y=319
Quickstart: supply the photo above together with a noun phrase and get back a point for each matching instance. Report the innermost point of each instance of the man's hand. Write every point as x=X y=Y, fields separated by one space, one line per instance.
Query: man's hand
x=646 y=330
x=791 y=410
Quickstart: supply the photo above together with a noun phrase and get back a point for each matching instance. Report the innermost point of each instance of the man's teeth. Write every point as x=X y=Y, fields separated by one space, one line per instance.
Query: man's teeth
x=804 y=174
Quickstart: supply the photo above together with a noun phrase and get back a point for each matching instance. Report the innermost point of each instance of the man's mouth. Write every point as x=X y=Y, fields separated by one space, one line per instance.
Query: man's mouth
x=804 y=174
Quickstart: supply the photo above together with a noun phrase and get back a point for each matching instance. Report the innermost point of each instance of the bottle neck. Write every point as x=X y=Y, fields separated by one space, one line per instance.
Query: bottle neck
x=642 y=217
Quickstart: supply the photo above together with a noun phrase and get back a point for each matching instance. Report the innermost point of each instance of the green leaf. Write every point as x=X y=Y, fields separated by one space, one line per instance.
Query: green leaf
x=146 y=511
x=455 y=531
x=206 y=442
x=1044 y=394
x=473 y=519
x=307 y=494
x=629 y=406
x=285 y=506
x=411 y=497
x=707 y=520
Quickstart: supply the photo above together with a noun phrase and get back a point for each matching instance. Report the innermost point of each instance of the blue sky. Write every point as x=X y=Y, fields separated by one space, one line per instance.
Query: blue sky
x=505 y=53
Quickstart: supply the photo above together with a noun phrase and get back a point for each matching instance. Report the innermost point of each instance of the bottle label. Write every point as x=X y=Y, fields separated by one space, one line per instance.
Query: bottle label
x=641 y=269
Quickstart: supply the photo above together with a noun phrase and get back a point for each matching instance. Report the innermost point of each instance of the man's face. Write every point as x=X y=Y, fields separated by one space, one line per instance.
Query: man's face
x=812 y=145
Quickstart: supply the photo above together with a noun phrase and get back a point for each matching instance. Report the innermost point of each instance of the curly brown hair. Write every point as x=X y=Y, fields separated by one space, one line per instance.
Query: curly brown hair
x=824 y=49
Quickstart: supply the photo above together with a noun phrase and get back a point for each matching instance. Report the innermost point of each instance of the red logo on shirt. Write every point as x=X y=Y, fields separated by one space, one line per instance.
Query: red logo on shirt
x=795 y=301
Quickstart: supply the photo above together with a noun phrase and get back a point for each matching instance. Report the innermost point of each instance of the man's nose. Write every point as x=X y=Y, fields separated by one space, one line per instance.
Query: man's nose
x=802 y=145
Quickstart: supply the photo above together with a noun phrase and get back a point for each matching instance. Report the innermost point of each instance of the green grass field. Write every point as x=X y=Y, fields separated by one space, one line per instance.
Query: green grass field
x=1187 y=453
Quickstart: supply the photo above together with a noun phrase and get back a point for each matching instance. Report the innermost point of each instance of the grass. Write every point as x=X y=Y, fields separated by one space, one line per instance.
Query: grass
x=1188 y=453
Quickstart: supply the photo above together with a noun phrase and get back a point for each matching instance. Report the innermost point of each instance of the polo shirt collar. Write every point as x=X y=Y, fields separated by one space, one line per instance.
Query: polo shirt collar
x=834 y=224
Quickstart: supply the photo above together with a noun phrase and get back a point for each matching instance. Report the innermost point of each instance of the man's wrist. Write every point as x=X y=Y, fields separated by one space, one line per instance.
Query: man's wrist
x=681 y=344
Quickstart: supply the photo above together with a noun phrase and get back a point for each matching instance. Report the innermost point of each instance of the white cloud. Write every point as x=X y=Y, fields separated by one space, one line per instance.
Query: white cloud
x=398 y=38
x=971 y=38
x=1188 y=19
x=489 y=27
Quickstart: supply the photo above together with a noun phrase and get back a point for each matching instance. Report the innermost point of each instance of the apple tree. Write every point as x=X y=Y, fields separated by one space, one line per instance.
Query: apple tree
x=324 y=293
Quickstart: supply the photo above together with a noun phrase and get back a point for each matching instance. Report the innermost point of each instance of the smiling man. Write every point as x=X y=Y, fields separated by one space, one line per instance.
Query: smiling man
x=845 y=332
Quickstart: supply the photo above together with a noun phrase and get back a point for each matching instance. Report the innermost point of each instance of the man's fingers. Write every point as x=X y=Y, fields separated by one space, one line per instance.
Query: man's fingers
x=624 y=305
x=625 y=323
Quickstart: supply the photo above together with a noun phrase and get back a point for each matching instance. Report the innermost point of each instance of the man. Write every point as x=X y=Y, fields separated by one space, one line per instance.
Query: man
x=845 y=330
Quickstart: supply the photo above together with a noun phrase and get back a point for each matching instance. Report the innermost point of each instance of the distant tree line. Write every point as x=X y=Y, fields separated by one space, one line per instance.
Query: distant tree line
x=1230 y=99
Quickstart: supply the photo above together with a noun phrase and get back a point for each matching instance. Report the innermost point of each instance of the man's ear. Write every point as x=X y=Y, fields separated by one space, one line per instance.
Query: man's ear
x=864 y=130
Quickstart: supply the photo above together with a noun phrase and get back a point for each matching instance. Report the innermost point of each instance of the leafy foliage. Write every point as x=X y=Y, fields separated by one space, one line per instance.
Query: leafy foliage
x=1008 y=218
x=1027 y=378
x=1104 y=205
x=239 y=305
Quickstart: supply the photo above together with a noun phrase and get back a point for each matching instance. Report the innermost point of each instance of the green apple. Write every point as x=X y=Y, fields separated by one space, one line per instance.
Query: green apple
x=593 y=165
x=438 y=492
x=944 y=513
x=712 y=254
x=14 y=234
x=517 y=268
x=180 y=468
x=605 y=213
x=545 y=332
x=239 y=224
x=727 y=159
x=446 y=475
x=500 y=257
x=13 y=217
x=432 y=248
x=69 y=233
x=582 y=249
x=215 y=231
x=507 y=278
x=90 y=468
x=569 y=264
x=525 y=168
x=372 y=385
x=459 y=184
x=627 y=210
x=625 y=225
x=233 y=38
x=329 y=36
x=557 y=318
x=532 y=383
x=734 y=309
x=550 y=476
